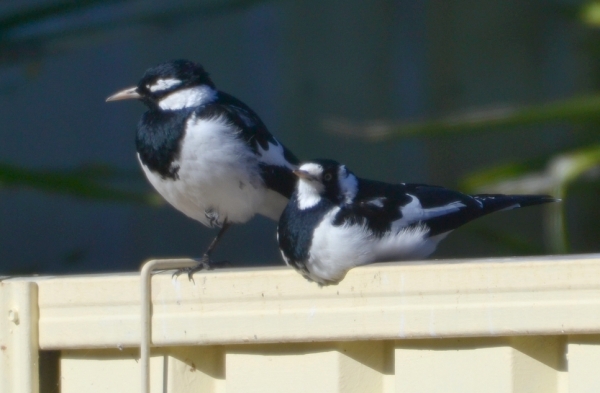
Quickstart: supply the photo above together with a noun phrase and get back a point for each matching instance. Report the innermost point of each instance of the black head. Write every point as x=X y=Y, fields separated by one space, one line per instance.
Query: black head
x=172 y=76
x=165 y=79
x=328 y=179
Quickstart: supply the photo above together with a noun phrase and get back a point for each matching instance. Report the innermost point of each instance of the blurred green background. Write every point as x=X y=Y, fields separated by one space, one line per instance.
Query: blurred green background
x=479 y=95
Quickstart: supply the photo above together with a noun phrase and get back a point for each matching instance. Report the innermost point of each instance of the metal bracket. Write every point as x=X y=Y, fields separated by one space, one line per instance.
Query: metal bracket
x=146 y=313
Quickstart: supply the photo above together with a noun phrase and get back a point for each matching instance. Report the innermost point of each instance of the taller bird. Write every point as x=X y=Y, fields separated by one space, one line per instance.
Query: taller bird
x=206 y=152
x=336 y=221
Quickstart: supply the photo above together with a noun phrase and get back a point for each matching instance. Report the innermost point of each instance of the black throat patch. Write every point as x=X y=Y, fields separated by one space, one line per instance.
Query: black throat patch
x=296 y=228
x=158 y=140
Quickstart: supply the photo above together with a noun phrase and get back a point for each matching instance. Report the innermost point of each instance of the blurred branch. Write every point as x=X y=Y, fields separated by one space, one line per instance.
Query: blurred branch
x=577 y=109
x=560 y=172
x=83 y=183
x=515 y=178
x=566 y=169
x=518 y=178
x=590 y=13
x=41 y=30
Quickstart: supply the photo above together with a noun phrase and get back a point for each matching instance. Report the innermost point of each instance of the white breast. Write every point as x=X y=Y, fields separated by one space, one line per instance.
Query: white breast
x=218 y=177
x=337 y=249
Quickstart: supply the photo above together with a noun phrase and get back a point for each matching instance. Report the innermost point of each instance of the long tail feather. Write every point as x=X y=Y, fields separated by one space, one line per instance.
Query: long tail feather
x=495 y=202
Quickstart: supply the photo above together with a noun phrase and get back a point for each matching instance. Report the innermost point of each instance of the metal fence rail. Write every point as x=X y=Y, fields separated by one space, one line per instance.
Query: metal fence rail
x=493 y=325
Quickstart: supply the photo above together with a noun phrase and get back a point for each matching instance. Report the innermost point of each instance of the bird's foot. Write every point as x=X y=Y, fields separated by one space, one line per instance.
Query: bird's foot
x=204 y=263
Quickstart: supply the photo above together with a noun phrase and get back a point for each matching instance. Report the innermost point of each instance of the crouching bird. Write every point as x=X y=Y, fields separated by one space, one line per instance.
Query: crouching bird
x=206 y=152
x=335 y=221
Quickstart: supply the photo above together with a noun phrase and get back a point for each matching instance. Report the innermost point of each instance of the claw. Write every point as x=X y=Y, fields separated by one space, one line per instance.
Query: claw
x=205 y=263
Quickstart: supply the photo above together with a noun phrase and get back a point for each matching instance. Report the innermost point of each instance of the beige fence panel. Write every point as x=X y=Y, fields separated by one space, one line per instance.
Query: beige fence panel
x=494 y=325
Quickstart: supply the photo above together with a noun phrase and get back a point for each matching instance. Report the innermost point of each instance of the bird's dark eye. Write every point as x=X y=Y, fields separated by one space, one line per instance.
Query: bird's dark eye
x=327 y=177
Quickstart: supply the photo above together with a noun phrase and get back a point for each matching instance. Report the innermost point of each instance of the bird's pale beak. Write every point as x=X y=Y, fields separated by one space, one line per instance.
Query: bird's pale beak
x=127 y=94
x=303 y=174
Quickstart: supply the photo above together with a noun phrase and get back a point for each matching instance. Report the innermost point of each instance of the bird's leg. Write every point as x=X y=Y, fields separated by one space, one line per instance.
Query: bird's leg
x=206 y=263
x=215 y=241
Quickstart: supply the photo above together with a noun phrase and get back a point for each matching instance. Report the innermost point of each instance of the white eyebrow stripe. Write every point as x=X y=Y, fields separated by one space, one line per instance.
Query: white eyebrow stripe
x=163 y=84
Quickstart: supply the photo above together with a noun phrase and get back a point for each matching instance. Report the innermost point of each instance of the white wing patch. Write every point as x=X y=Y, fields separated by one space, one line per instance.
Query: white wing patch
x=163 y=84
x=348 y=184
x=479 y=201
x=414 y=212
x=187 y=98
x=273 y=155
x=377 y=202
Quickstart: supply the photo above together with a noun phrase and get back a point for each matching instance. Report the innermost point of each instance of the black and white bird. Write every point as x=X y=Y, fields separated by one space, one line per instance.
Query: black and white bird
x=336 y=221
x=206 y=152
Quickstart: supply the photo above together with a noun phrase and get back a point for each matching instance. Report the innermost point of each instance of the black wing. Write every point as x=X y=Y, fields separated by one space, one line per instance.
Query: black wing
x=379 y=205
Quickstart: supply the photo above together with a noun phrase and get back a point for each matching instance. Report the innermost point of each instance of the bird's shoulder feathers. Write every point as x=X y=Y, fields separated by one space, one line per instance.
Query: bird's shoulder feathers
x=274 y=159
